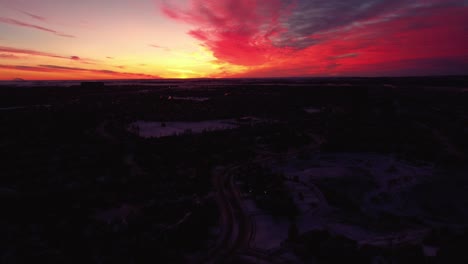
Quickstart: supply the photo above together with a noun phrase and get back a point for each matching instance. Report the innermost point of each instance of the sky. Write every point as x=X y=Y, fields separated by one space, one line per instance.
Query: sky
x=139 y=39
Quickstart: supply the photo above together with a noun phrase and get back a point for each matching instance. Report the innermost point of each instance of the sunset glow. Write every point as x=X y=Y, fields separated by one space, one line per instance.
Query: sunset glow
x=125 y=39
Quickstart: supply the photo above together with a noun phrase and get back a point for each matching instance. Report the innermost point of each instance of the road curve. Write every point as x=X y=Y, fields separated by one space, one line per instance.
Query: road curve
x=234 y=222
x=237 y=228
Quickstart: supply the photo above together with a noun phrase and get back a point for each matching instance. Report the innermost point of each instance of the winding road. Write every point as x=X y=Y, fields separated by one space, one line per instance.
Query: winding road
x=236 y=225
x=237 y=228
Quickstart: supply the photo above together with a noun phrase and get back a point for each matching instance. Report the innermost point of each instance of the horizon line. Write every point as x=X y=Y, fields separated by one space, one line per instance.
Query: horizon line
x=19 y=80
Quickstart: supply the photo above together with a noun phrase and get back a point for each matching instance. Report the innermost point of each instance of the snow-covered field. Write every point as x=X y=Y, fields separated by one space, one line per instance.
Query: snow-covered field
x=164 y=129
x=312 y=110
x=269 y=232
x=190 y=98
x=153 y=129
x=388 y=175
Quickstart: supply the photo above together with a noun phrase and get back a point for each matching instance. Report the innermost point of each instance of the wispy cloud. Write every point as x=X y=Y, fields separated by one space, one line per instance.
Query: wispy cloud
x=40 y=18
x=97 y=71
x=8 y=56
x=30 y=52
x=159 y=47
x=25 y=68
x=75 y=70
x=27 y=25
x=11 y=51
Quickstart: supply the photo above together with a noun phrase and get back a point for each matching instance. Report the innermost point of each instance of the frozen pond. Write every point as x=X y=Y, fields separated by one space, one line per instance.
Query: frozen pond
x=190 y=98
x=164 y=129
x=312 y=110
x=157 y=129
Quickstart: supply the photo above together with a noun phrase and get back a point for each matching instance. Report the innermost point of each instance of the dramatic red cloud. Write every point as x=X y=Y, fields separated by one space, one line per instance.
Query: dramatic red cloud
x=237 y=38
x=236 y=31
x=386 y=38
x=420 y=44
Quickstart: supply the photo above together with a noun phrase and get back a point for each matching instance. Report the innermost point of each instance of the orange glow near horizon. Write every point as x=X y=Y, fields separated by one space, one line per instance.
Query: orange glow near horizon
x=150 y=39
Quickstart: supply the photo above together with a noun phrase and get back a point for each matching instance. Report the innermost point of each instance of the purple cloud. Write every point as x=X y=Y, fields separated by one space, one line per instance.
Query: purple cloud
x=23 y=24
x=121 y=74
x=40 y=18
x=30 y=52
x=9 y=56
x=12 y=51
x=75 y=70
x=159 y=47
